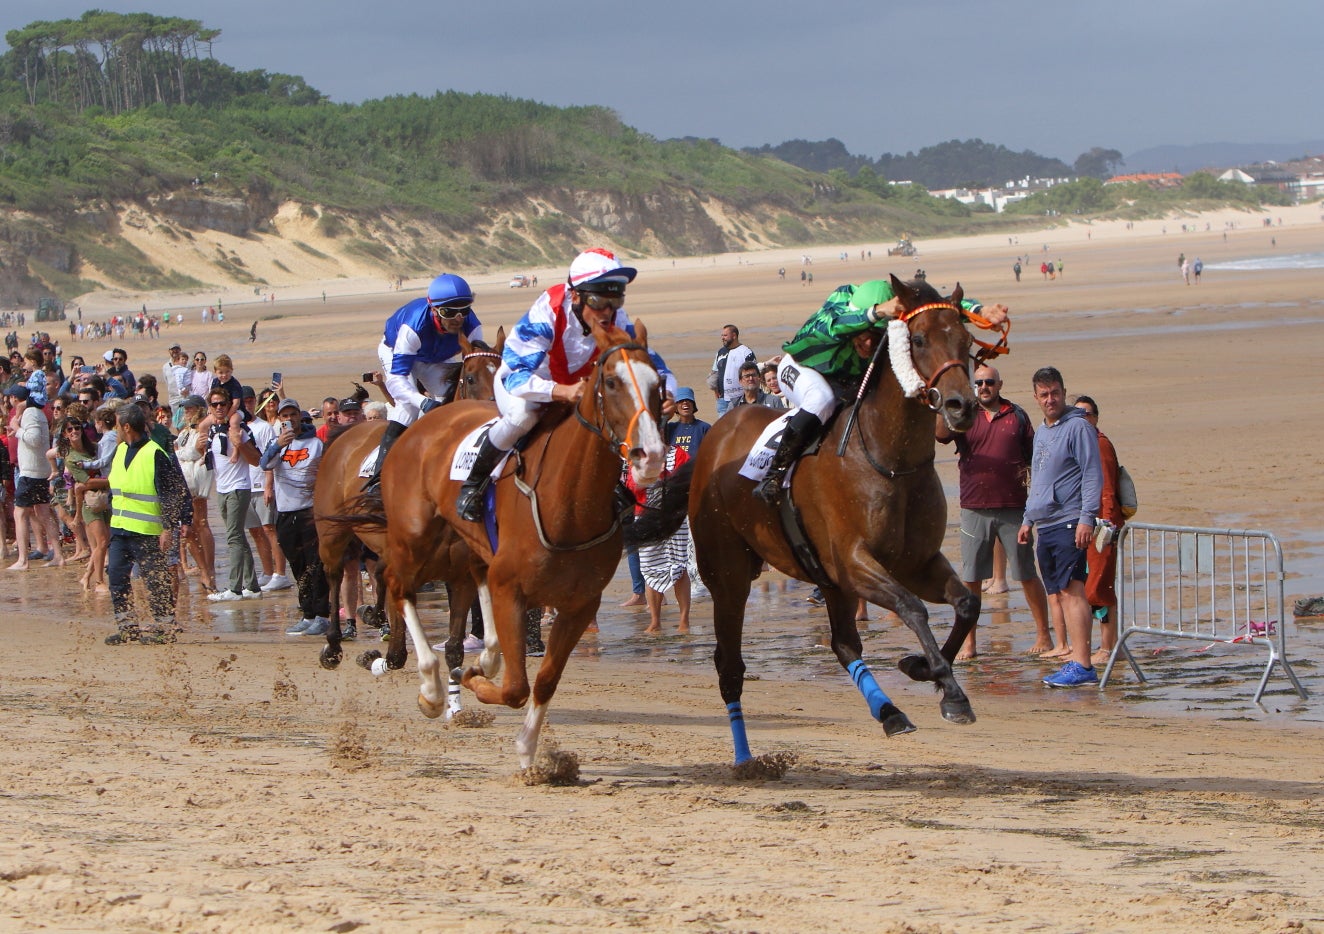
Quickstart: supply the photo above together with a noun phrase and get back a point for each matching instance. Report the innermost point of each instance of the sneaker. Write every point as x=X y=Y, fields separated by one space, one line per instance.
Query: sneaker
x=348 y=632
x=223 y=596
x=1072 y=675
x=123 y=636
x=262 y=580
x=473 y=644
x=815 y=598
x=319 y=627
x=300 y=627
x=1309 y=606
x=277 y=582
x=534 y=649
x=251 y=595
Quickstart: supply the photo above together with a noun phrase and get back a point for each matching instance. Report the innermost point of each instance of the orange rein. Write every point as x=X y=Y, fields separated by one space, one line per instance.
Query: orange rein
x=986 y=350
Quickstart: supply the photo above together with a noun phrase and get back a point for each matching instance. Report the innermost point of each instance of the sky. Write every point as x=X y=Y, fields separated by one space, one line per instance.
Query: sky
x=1056 y=79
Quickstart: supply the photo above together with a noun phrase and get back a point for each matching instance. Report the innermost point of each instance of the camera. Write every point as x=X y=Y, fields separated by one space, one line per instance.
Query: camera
x=367 y=377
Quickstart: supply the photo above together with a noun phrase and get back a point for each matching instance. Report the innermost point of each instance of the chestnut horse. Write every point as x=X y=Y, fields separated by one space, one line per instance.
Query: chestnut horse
x=875 y=516
x=556 y=519
x=337 y=488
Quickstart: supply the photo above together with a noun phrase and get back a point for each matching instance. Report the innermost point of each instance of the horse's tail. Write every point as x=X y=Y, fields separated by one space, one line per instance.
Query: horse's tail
x=363 y=513
x=665 y=508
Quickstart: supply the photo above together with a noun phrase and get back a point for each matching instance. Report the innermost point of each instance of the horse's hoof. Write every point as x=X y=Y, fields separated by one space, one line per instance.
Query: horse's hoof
x=430 y=710
x=366 y=659
x=895 y=723
x=957 y=711
x=369 y=615
x=330 y=658
x=915 y=667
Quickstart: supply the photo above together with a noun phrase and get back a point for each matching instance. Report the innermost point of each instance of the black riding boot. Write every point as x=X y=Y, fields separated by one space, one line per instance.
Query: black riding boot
x=800 y=432
x=393 y=431
x=469 y=504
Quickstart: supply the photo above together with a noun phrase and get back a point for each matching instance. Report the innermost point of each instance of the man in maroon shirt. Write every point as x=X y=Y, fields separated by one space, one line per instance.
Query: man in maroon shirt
x=993 y=459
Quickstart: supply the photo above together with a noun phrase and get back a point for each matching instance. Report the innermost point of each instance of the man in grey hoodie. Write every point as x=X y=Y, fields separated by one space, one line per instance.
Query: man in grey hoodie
x=1066 y=482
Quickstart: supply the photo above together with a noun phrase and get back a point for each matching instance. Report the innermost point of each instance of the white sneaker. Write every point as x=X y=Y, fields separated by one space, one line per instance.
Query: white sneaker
x=472 y=644
x=224 y=595
x=277 y=582
x=262 y=579
x=251 y=595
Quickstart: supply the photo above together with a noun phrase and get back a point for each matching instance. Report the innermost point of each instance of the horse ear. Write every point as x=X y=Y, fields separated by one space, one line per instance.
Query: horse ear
x=501 y=340
x=901 y=290
x=958 y=293
x=640 y=333
x=466 y=346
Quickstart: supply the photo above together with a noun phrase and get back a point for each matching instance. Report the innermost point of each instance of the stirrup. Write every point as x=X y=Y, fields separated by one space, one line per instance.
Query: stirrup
x=770 y=487
x=469 y=504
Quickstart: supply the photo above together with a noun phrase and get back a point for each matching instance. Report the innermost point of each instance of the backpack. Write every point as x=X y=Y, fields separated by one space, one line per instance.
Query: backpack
x=1126 y=493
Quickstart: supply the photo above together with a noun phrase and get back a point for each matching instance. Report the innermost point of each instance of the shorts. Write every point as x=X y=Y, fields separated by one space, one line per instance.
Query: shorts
x=1060 y=561
x=257 y=510
x=30 y=491
x=979 y=529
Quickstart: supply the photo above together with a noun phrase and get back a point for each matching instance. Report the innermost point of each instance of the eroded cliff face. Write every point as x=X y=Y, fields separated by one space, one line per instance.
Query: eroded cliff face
x=193 y=238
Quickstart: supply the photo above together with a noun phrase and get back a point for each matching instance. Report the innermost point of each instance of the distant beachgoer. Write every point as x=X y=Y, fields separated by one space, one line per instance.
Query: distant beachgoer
x=1197 y=267
x=252 y=333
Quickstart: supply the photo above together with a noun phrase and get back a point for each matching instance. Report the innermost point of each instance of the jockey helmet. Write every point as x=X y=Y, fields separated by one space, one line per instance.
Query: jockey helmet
x=599 y=271
x=449 y=295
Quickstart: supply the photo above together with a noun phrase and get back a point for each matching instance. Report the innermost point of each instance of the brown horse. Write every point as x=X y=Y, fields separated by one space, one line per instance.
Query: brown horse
x=336 y=492
x=874 y=516
x=555 y=515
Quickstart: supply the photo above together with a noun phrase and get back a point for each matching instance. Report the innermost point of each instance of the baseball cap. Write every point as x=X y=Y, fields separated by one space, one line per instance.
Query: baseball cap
x=350 y=405
x=194 y=402
x=108 y=356
x=598 y=270
x=686 y=394
x=18 y=391
x=174 y=347
x=288 y=403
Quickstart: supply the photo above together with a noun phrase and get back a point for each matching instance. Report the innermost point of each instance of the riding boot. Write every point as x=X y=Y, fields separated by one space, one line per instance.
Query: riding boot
x=393 y=431
x=469 y=504
x=801 y=430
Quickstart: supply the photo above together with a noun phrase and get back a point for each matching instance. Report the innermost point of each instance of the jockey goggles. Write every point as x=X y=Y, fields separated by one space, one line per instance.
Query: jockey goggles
x=598 y=302
x=451 y=309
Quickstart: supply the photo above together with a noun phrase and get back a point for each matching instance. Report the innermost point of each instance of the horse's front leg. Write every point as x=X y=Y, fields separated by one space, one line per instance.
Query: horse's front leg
x=937 y=582
x=561 y=641
x=507 y=622
x=876 y=586
x=331 y=652
x=431 y=695
x=849 y=650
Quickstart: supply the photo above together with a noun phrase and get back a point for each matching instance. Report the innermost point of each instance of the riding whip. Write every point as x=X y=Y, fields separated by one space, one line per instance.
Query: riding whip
x=859 y=395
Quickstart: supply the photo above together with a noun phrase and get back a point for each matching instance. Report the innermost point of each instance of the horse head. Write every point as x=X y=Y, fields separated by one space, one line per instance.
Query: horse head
x=939 y=350
x=478 y=368
x=627 y=397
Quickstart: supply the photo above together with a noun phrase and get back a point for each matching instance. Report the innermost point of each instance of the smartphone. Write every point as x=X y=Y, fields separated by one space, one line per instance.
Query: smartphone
x=275 y=380
x=87 y=369
x=286 y=424
x=367 y=377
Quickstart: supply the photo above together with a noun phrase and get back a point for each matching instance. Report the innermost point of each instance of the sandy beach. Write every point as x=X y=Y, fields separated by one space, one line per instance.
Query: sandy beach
x=228 y=783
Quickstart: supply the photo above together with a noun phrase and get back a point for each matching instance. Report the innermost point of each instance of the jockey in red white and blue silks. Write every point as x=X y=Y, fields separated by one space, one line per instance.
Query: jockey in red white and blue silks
x=548 y=355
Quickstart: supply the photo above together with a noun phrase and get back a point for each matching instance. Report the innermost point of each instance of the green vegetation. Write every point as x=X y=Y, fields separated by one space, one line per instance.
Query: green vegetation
x=1135 y=200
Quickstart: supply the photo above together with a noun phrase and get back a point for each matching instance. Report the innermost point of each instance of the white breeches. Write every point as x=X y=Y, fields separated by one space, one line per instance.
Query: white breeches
x=518 y=416
x=435 y=377
x=806 y=388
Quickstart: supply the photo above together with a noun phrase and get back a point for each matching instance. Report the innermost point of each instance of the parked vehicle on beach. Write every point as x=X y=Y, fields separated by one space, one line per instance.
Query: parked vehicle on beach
x=519 y=282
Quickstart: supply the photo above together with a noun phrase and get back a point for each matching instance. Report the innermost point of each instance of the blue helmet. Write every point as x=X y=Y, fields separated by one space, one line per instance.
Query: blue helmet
x=449 y=291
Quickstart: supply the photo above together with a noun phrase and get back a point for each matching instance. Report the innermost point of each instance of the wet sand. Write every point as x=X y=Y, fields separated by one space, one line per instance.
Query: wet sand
x=228 y=783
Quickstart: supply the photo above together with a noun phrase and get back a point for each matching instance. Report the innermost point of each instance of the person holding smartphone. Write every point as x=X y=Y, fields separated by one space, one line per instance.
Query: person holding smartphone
x=420 y=344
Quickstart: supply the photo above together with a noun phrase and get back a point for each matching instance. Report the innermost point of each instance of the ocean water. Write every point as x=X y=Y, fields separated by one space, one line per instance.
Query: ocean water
x=1285 y=261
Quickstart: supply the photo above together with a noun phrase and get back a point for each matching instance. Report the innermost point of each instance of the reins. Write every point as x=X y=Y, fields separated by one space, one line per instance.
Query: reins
x=622 y=447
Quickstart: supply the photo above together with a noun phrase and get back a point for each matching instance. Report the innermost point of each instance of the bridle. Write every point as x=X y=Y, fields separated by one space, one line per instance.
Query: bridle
x=932 y=397
x=602 y=429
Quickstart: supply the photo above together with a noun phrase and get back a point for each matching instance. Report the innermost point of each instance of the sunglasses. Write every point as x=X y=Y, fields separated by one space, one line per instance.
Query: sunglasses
x=74 y=426
x=598 y=302
x=986 y=382
x=217 y=402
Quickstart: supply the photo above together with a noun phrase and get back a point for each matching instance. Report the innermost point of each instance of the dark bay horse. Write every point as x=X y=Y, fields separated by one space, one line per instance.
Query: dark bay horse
x=555 y=514
x=336 y=493
x=875 y=516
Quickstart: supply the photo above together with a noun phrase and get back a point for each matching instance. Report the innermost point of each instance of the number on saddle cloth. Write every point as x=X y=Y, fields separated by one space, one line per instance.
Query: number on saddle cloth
x=760 y=453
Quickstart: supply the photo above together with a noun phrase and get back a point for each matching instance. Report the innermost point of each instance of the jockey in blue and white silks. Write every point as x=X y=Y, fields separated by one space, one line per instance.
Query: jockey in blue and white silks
x=420 y=344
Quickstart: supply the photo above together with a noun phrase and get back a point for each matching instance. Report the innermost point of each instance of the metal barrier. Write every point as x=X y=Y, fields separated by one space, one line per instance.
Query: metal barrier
x=1215 y=585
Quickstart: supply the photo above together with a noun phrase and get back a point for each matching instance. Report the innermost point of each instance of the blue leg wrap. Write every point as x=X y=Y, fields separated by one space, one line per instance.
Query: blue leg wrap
x=738 y=738
x=873 y=694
